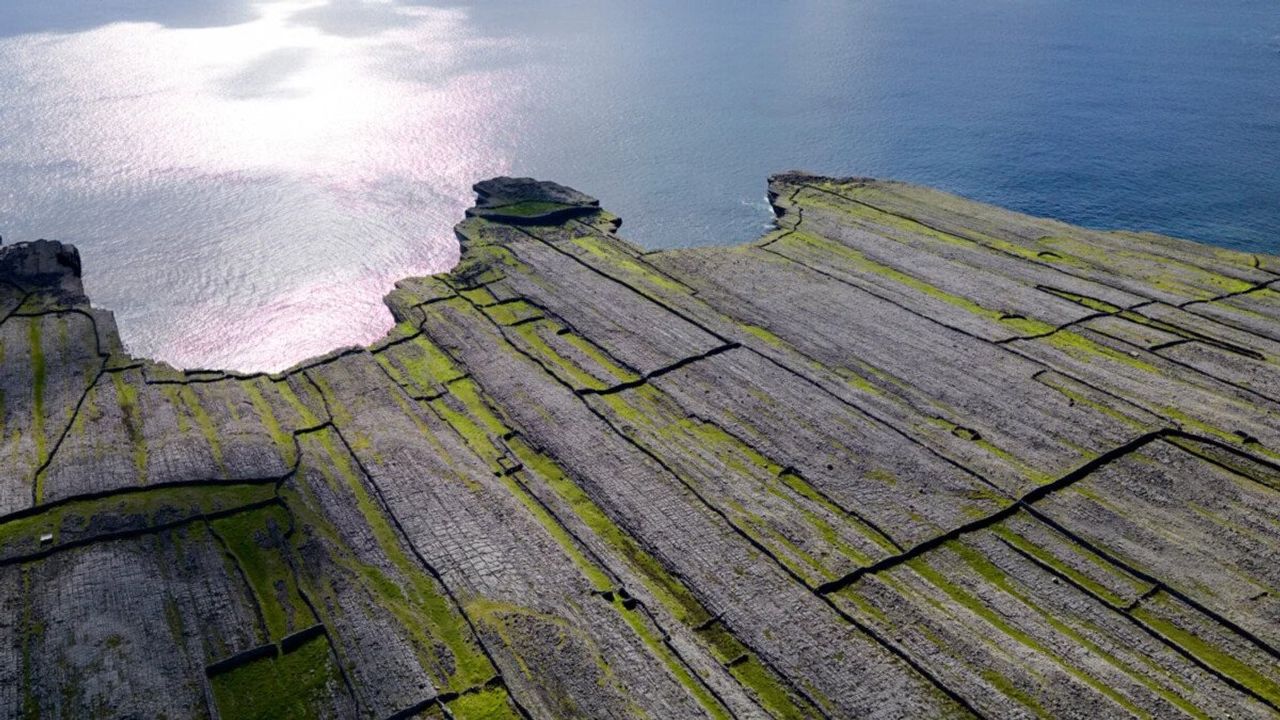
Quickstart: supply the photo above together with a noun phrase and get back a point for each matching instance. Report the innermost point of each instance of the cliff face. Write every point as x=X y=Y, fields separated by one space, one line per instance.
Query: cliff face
x=907 y=456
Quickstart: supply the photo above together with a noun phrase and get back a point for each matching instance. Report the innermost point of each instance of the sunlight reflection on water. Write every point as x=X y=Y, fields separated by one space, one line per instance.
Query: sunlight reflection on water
x=262 y=183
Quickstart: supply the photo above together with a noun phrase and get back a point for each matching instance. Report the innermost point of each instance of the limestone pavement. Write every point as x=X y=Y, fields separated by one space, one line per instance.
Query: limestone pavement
x=907 y=456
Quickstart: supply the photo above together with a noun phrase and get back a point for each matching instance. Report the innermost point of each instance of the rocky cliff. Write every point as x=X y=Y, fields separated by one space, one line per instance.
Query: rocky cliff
x=908 y=456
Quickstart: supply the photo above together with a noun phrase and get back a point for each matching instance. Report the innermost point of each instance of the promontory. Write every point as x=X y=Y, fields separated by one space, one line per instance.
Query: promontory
x=906 y=456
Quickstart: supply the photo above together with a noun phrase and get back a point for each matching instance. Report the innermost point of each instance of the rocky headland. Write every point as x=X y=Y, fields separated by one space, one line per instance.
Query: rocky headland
x=908 y=456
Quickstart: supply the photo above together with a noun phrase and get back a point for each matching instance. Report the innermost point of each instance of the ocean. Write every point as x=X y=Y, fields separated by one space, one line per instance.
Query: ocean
x=246 y=178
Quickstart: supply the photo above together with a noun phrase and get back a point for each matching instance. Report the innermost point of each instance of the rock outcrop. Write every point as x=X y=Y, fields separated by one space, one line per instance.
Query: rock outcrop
x=907 y=456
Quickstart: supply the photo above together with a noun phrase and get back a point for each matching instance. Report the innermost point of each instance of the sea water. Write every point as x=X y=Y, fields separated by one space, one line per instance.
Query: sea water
x=246 y=178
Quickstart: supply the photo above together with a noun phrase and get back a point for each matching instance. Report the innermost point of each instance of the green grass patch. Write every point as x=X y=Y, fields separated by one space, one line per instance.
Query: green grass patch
x=480 y=296
x=252 y=542
x=295 y=686
x=1212 y=655
x=131 y=416
x=529 y=208
x=267 y=416
x=486 y=704
x=204 y=422
x=640 y=625
x=144 y=507
x=509 y=313
x=308 y=417
x=764 y=335
x=534 y=336
x=636 y=271
x=419 y=364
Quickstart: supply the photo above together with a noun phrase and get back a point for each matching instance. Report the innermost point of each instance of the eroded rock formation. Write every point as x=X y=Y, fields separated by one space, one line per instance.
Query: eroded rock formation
x=908 y=456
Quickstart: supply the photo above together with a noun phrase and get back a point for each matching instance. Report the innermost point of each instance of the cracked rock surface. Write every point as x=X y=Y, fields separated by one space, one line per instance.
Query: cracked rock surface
x=906 y=456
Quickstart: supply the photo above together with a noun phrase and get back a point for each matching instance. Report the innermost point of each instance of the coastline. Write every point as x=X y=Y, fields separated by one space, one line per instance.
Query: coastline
x=890 y=459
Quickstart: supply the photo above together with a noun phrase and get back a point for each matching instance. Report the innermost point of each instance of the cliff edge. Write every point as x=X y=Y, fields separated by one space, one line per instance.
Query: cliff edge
x=906 y=456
